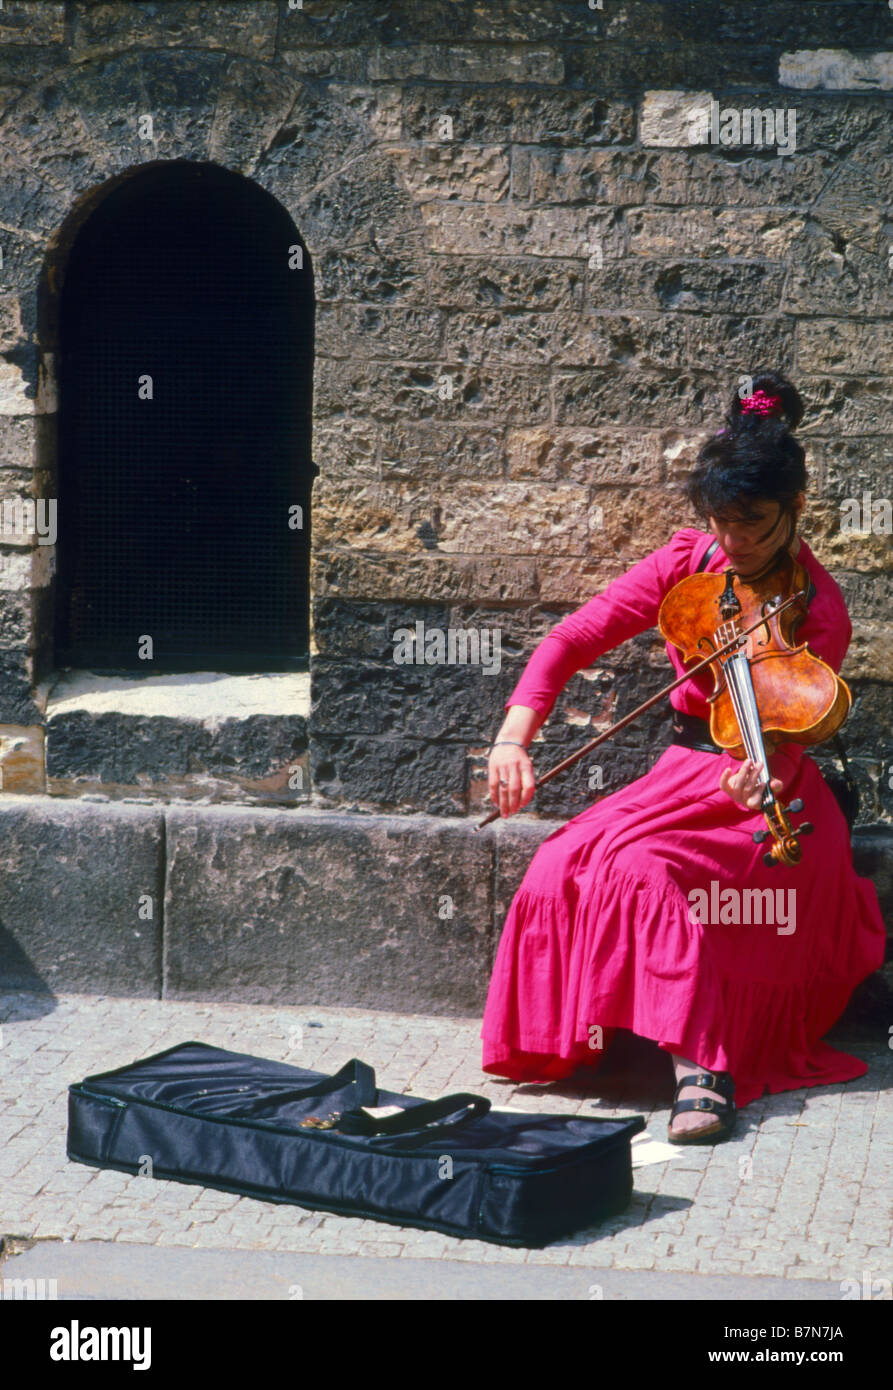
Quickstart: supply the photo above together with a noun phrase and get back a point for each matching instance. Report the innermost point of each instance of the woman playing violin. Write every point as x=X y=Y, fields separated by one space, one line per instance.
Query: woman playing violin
x=602 y=933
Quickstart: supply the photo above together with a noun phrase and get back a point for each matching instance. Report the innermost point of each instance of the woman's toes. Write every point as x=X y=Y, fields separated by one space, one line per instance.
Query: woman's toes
x=695 y=1119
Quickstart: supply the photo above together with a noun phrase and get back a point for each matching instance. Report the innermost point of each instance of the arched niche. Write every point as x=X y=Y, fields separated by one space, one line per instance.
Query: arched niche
x=184 y=337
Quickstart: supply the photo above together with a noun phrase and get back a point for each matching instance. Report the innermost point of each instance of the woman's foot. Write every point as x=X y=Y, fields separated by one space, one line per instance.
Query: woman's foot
x=691 y=1120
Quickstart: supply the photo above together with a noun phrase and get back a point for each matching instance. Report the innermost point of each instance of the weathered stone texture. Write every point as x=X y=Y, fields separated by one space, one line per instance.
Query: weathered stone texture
x=371 y=912
x=33 y=22
x=836 y=70
x=239 y=26
x=81 y=896
x=248 y=759
x=536 y=283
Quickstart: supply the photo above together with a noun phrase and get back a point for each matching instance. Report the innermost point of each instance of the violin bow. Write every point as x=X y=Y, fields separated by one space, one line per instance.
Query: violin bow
x=727 y=647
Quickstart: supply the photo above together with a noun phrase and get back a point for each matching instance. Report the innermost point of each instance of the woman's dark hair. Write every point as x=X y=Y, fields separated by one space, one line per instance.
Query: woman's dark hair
x=754 y=456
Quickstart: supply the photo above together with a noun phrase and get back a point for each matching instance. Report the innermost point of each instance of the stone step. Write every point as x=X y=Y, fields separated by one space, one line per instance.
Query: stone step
x=265 y=905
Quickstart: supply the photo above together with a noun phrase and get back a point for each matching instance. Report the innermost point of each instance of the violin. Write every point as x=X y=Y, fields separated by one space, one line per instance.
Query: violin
x=767 y=689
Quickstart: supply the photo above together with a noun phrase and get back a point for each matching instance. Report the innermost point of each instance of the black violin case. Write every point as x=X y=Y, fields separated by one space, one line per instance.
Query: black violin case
x=274 y=1131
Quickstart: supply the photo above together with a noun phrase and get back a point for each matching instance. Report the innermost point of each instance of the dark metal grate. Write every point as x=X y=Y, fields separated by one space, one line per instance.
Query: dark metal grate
x=174 y=511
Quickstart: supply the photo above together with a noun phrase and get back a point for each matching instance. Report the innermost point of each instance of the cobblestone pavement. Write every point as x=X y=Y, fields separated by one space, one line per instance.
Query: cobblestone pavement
x=801 y=1191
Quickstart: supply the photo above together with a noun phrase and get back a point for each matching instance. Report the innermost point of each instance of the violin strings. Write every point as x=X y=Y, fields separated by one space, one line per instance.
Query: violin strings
x=738 y=677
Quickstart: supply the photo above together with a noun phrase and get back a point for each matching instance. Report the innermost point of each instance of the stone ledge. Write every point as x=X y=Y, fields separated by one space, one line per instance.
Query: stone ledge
x=272 y=906
x=81 y=893
x=196 y=735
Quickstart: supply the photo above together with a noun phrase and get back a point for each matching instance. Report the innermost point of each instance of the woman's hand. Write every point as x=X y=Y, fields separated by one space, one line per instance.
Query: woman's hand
x=510 y=778
x=744 y=786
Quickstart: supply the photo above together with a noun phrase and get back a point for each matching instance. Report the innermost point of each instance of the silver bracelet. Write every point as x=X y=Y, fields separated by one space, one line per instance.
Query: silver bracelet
x=512 y=741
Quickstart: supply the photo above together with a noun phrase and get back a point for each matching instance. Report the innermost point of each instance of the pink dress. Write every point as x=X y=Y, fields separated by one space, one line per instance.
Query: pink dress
x=624 y=919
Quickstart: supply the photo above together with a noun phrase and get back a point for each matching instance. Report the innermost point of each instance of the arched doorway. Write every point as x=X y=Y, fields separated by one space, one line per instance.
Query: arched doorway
x=185 y=384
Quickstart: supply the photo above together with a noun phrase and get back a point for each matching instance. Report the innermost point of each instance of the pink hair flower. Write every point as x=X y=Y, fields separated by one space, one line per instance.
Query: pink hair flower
x=760 y=404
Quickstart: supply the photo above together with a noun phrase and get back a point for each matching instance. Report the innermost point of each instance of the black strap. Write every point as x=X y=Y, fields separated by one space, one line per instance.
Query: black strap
x=359 y=1073
x=705 y=558
x=710 y=1081
x=417 y=1116
x=844 y=785
x=690 y=731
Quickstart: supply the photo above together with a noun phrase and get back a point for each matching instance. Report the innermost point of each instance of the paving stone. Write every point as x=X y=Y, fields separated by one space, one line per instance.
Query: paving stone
x=692 y=1213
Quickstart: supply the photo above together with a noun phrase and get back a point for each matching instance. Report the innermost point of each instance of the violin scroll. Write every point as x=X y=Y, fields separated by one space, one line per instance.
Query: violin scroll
x=786 y=849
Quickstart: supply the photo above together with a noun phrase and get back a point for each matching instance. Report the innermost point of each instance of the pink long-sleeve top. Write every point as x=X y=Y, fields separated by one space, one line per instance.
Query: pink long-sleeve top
x=629 y=605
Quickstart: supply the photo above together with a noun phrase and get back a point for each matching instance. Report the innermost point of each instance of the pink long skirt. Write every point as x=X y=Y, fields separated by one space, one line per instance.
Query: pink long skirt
x=634 y=915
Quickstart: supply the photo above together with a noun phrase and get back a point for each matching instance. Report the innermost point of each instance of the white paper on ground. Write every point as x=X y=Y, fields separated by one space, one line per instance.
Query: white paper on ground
x=644 y=1149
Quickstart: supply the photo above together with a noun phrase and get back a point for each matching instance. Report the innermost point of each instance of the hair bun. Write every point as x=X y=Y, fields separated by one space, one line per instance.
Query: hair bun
x=771 y=397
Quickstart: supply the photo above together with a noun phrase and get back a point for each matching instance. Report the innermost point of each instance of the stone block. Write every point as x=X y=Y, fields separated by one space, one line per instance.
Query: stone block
x=712 y=232
x=17 y=702
x=425 y=389
x=372 y=773
x=422 y=578
x=33 y=24
x=23 y=440
x=180 y=91
x=241 y=26
x=252 y=108
x=80 y=897
x=342 y=64
x=372 y=274
x=364 y=631
x=22 y=758
x=868 y=595
x=467 y=63
x=524 y=282
x=836 y=70
x=824 y=280
x=471 y=173
x=726 y=343
x=831 y=346
x=379 y=331
x=742 y=26
x=673 y=117
x=493 y=115
x=15 y=619
x=366 y=205
x=665 y=285
x=408 y=23
x=510 y=230
x=580 y=454
x=398 y=518
x=870 y=721
x=574 y=580
x=344 y=447
x=675 y=178
x=608 y=396
x=457 y=702
x=260 y=758
x=315 y=907
x=442 y=452
x=851 y=405
x=870 y=653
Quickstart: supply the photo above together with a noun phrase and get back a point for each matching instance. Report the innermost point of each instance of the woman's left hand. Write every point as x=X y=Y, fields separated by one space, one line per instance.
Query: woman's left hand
x=744 y=786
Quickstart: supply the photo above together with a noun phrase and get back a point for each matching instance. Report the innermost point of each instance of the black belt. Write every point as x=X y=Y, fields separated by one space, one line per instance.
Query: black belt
x=692 y=732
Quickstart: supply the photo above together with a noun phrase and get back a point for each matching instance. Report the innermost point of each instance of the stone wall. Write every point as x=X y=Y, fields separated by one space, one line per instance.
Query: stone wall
x=538 y=276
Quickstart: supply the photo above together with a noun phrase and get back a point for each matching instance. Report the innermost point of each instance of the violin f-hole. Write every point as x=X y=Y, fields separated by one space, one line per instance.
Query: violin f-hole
x=728 y=602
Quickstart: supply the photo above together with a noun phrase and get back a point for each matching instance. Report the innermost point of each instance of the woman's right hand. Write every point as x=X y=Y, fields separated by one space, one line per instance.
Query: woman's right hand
x=510 y=778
